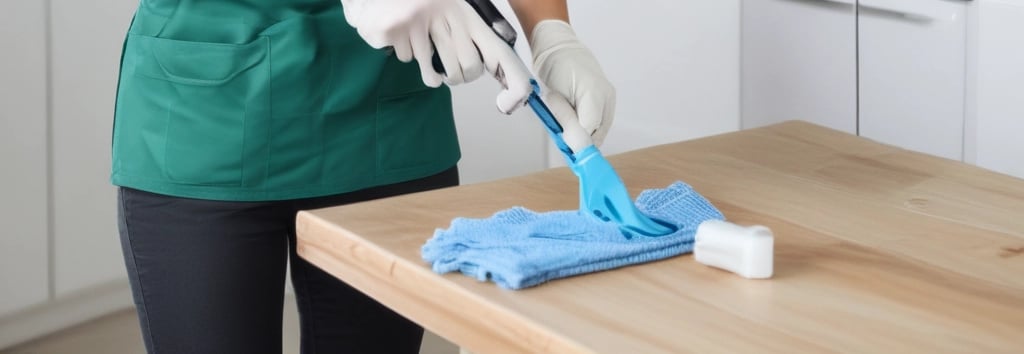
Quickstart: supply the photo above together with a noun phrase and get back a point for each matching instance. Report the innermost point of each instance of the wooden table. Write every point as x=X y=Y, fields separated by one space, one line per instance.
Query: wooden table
x=877 y=249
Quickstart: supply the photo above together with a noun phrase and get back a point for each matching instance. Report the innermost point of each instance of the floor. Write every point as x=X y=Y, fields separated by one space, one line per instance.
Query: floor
x=118 y=333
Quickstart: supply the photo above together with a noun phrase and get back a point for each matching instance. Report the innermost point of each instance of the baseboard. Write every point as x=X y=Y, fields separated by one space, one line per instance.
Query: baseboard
x=64 y=312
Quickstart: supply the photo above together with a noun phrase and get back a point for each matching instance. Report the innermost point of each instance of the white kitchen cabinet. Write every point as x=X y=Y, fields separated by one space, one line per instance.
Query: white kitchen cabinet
x=911 y=62
x=60 y=262
x=897 y=74
x=799 y=61
x=24 y=259
x=85 y=69
x=995 y=112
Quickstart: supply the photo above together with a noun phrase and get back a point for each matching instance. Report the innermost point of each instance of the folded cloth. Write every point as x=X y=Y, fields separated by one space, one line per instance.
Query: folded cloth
x=518 y=248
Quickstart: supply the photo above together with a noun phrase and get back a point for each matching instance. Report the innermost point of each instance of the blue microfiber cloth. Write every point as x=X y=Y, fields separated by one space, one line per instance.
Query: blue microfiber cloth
x=518 y=248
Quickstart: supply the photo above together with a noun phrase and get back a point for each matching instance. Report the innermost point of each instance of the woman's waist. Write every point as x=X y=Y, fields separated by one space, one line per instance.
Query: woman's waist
x=236 y=21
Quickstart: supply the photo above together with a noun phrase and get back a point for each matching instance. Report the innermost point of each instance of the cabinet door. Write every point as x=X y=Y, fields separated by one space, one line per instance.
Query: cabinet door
x=912 y=74
x=799 y=62
x=85 y=68
x=996 y=119
x=24 y=264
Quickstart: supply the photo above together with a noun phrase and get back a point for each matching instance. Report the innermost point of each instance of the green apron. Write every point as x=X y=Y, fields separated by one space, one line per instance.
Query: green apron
x=250 y=100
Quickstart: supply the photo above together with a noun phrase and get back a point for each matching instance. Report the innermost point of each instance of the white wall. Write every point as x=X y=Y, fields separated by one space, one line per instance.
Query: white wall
x=495 y=145
x=85 y=56
x=674 y=63
x=675 y=66
x=24 y=268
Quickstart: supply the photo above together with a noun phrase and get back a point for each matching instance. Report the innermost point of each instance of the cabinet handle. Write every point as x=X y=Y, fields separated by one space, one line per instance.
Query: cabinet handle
x=847 y=2
x=907 y=9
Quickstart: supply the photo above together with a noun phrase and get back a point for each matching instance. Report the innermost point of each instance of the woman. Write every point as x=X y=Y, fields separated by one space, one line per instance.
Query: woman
x=232 y=115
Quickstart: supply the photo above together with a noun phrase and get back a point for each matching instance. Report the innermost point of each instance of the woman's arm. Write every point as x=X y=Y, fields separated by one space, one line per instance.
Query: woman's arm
x=577 y=87
x=530 y=12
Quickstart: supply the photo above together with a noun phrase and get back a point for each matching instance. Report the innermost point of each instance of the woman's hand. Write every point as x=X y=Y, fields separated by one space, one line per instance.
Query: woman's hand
x=577 y=87
x=465 y=44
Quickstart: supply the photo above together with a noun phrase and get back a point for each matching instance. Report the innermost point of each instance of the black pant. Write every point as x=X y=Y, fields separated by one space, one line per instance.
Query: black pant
x=208 y=277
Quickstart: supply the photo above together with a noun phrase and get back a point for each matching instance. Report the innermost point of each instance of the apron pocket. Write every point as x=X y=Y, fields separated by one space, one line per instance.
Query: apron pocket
x=213 y=95
x=415 y=130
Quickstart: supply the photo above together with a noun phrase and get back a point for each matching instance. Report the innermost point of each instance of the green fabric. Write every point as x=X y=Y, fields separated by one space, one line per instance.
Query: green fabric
x=267 y=100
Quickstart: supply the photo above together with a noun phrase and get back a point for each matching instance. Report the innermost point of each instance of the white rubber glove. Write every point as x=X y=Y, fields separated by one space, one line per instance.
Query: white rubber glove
x=577 y=87
x=465 y=44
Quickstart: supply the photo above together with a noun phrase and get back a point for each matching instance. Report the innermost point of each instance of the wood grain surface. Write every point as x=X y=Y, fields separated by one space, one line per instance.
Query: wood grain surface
x=877 y=249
